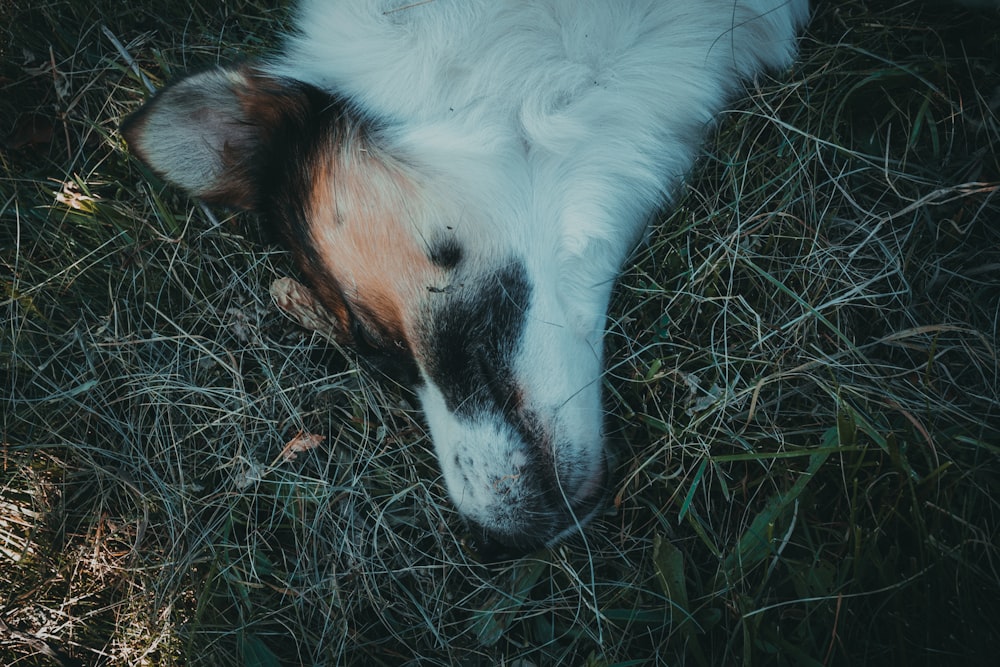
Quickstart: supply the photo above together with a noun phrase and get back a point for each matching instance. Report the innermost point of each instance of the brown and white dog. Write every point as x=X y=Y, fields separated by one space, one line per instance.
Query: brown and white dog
x=459 y=182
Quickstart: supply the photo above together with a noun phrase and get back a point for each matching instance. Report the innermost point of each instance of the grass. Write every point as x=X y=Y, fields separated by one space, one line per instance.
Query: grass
x=802 y=389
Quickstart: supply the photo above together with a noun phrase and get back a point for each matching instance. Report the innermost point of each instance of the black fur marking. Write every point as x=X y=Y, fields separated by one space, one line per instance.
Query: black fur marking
x=390 y=357
x=473 y=335
x=446 y=253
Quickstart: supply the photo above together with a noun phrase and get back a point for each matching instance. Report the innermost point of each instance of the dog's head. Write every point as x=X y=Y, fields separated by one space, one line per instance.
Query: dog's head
x=417 y=278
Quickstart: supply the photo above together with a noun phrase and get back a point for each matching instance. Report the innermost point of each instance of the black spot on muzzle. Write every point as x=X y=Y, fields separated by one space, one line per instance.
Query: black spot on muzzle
x=473 y=332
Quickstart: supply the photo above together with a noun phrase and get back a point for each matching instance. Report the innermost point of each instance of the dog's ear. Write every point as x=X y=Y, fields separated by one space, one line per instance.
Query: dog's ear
x=210 y=133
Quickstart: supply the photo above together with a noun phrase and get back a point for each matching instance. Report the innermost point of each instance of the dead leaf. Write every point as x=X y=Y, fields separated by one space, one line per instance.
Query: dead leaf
x=298 y=302
x=302 y=442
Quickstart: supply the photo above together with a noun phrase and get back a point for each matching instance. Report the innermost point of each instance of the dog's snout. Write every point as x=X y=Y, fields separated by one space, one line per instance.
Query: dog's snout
x=557 y=514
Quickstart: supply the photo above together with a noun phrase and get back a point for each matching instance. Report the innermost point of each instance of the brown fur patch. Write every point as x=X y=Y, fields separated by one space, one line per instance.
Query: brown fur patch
x=364 y=218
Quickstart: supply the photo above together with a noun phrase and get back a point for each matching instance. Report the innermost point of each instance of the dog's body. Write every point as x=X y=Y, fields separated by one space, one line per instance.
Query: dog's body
x=460 y=182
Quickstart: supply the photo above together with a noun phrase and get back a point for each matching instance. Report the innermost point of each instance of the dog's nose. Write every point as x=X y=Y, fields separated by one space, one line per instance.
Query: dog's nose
x=551 y=524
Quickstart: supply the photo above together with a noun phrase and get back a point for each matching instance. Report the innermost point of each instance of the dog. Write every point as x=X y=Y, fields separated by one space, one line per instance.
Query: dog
x=459 y=183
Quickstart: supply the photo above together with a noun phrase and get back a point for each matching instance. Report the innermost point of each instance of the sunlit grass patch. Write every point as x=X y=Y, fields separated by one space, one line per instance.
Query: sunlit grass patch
x=802 y=389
